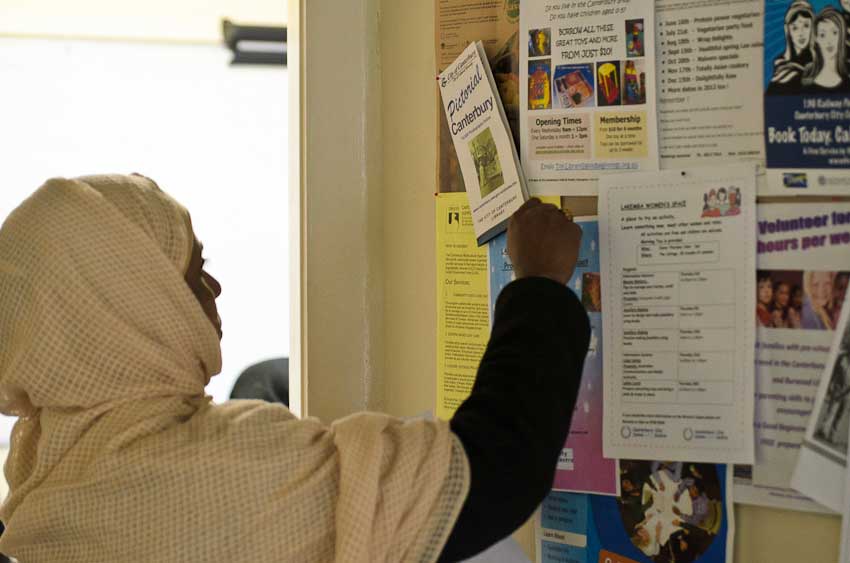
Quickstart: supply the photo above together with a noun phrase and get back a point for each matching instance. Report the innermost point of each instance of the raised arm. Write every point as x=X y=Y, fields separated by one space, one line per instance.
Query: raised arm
x=515 y=422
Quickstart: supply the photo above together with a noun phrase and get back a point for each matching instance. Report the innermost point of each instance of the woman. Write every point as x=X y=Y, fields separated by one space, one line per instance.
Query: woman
x=828 y=72
x=764 y=297
x=788 y=68
x=783 y=315
x=839 y=293
x=734 y=202
x=817 y=300
x=110 y=334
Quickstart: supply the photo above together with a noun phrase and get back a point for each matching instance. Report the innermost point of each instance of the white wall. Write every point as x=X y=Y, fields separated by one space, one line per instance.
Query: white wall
x=213 y=136
x=181 y=20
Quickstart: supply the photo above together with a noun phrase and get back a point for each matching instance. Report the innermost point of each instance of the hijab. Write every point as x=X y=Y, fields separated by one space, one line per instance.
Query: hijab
x=119 y=455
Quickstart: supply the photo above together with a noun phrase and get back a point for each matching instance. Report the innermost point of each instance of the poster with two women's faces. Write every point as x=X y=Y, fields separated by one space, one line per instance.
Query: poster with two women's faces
x=807 y=96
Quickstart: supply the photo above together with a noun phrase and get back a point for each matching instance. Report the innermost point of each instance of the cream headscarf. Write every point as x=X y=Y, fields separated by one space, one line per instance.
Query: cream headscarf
x=118 y=455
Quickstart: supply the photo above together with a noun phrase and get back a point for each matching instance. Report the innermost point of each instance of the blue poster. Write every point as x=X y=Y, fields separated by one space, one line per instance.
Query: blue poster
x=667 y=512
x=807 y=95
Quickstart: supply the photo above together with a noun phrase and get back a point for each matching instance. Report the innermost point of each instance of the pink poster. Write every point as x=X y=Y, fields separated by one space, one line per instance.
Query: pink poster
x=581 y=467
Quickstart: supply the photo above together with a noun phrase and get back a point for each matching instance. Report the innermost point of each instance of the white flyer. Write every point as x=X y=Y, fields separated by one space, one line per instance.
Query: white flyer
x=748 y=492
x=801 y=283
x=710 y=56
x=822 y=463
x=485 y=150
x=587 y=92
x=678 y=256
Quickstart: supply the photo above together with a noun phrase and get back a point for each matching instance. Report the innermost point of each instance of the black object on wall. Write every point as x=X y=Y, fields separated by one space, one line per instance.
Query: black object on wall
x=255 y=44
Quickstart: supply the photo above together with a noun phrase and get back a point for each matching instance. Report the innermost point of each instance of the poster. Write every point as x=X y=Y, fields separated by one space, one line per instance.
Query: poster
x=822 y=463
x=783 y=498
x=463 y=318
x=495 y=24
x=710 y=55
x=678 y=255
x=807 y=96
x=667 y=512
x=581 y=466
x=587 y=92
x=801 y=282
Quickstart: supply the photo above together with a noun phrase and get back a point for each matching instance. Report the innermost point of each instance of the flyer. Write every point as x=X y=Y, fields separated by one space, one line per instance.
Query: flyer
x=587 y=92
x=581 y=467
x=801 y=284
x=747 y=492
x=486 y=154
x=667 y=512
x=463 y=318
x=710 y=55
x=678 y=255
x=496 y=25
x=807 y=96
x=822 y=463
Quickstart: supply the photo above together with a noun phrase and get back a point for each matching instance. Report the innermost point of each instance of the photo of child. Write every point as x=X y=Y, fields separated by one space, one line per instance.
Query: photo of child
x=808 y=300
x=539 y=42
x=591 y=292
x=634 y=38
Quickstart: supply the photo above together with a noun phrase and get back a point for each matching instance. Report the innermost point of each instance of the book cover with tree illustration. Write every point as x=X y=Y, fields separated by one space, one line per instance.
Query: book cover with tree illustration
x=485 y=154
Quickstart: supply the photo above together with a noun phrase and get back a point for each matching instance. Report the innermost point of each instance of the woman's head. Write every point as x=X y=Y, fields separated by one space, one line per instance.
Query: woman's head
x=98 y=268
x=781 y=294
x=818 y=287
x=203 y=285
x=797 y=297
x=830 y=43
x=764 y=292
x=799 y=23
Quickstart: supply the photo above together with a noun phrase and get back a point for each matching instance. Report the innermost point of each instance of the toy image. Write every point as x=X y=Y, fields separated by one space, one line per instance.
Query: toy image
x=608 y=80
x=634 y=38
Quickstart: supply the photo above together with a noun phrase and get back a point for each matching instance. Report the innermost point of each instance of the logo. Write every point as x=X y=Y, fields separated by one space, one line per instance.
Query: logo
x=821 y=180
x=795 y=180
x=512 y=10
x=688 y=434
x=626 y=432
x=453 y=220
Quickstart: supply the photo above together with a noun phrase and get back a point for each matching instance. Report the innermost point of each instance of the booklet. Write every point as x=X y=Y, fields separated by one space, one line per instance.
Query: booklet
x=485 y=150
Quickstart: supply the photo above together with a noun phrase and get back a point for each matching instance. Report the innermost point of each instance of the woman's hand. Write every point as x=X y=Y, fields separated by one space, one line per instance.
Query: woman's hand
x=543 y=242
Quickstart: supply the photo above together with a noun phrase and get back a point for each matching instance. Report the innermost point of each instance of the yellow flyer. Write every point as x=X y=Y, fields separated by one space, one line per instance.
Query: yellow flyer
x=463 y=304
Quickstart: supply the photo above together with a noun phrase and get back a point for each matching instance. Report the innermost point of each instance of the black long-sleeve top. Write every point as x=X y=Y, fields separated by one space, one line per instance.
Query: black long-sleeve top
x=516 y=420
